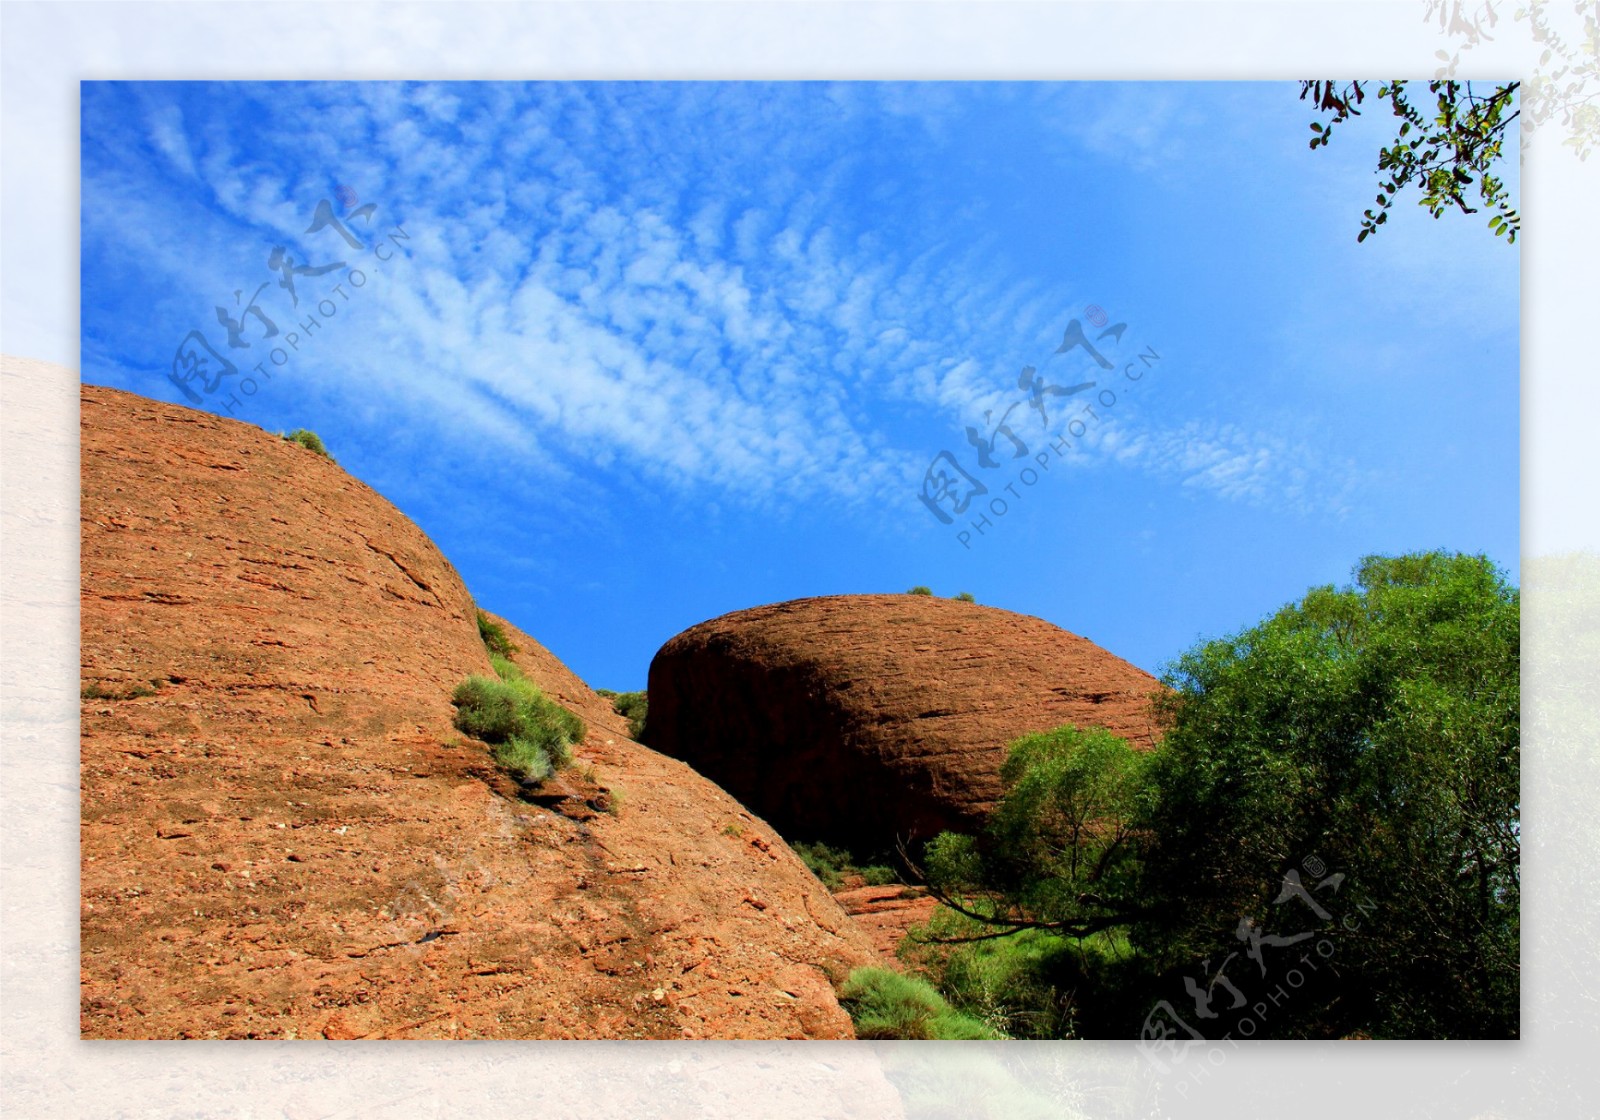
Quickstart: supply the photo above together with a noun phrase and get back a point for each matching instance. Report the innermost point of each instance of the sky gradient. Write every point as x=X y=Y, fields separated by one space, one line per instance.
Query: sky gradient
x=638 y=354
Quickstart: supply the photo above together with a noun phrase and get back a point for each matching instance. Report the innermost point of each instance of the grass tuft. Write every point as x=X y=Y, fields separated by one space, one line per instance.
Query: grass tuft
x=885 y=1004
x=494 y=636
x=310 y=441
x=528 y=733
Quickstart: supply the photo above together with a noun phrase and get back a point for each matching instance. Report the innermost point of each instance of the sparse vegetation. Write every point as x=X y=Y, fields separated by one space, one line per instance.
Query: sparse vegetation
x=920 y=590
x=834 y=865
x=632 y=706
x=98 y=690
x=529 y=734
x=494 y=636
x=886 y=1004
x=308 y=440
x=1034 y=984
x=965 y=597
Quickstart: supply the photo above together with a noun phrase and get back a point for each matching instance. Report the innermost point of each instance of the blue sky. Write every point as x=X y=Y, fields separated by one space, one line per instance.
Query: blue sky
x=638 y=354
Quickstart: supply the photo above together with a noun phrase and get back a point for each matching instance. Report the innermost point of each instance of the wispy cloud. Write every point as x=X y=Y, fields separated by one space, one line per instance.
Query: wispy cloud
x=711 y=286
x=568 y=293
x=1232 y=461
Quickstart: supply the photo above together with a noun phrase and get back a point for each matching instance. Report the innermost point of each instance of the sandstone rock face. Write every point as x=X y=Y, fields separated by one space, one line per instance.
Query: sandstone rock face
x=863 y=719
x=887 y=913
x=283 y=835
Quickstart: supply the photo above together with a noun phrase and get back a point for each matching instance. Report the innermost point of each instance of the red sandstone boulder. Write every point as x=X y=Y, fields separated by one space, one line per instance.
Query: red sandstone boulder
x=283 y=836
x=863 y=719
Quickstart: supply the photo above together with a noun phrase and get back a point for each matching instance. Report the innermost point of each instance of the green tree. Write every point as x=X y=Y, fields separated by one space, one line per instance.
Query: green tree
x=1373 y=730
x=1443 y=152
x=1060 y=852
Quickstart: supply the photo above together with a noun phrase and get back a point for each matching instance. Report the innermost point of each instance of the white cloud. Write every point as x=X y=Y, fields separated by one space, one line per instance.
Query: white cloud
x=558 y=300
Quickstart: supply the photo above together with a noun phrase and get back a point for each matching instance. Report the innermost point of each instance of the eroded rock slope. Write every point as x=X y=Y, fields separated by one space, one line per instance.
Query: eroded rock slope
x=283 y=836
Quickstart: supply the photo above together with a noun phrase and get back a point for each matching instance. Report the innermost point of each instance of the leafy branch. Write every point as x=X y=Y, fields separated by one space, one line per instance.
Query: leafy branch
x=1568 y=67
x=1444 y=155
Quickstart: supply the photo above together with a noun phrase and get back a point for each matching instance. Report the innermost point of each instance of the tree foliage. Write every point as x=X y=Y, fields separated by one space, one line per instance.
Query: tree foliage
x=1372 y=728
x=1376 y=728
x=1443 y=154
x=1060 y=852
x=1564 y=86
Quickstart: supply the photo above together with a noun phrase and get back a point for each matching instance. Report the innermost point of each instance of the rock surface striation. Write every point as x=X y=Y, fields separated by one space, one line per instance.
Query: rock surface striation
x=283 y=836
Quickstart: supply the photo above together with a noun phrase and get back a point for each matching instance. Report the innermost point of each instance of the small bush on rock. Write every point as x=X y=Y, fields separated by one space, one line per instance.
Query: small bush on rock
x=528 y=733
x=920 y=590
x=494 y=636
x=310 y=441
x=632 y=706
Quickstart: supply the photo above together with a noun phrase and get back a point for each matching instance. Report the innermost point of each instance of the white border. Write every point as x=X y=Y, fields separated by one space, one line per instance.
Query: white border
x=48 y=48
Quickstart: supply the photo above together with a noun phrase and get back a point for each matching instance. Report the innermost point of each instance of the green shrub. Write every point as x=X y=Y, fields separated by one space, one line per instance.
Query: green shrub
x=1034 y=984
x=885 y=1004
x=632 y=706
x=965 y=597
x=833 y=865
x=494 y=636
x=920 y=590
x=529 y=734
x=1379 y=723
x=310 y=441
x=504 y=668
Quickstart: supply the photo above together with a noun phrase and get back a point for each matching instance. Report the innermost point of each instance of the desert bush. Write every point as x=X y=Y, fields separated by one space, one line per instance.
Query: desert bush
x=965 y=597
x=885 y=1004
x=920 y=590
x=528 y=733
x=309 y=440
x=494 y=636
x=632 y=706
x=833 y=865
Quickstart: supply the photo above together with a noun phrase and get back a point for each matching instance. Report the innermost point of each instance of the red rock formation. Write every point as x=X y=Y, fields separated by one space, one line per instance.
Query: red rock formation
x=863 y=719
x=283 y=836
x=887 y=913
